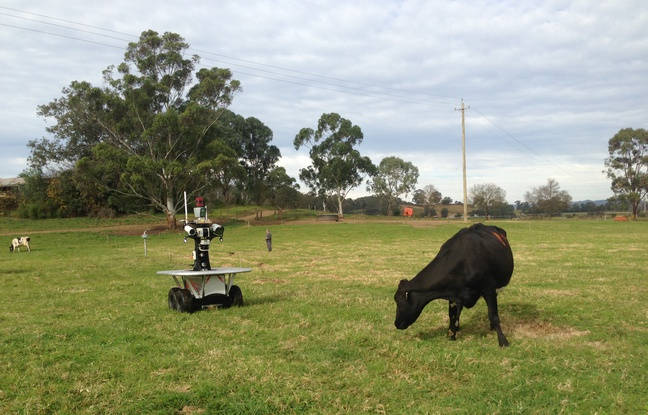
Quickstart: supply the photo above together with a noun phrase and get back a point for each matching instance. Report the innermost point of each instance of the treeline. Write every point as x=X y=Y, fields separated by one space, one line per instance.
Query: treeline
x=237 y=162
x=159 y=126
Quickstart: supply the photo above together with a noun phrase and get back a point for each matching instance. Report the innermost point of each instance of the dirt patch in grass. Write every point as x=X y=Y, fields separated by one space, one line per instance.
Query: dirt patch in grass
x=134 y=230
x=192 y=410
x=137 y=229
x=269 y=281
x=536 y=330
x=559 y=293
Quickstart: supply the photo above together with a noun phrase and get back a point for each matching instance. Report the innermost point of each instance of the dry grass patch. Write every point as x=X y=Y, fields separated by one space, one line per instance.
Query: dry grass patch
x=544 y=330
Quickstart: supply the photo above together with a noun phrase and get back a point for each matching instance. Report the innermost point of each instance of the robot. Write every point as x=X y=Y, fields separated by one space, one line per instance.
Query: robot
x=203 y=287
x=202 y=231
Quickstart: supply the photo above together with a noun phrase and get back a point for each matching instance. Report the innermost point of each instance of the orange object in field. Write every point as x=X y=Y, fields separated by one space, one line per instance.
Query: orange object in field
x=621 y=218
x=408 y=211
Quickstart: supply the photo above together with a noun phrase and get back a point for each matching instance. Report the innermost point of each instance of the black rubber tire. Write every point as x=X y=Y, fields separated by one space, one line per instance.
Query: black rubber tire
x=185 y=301
x=236 y=295
x=173 y=299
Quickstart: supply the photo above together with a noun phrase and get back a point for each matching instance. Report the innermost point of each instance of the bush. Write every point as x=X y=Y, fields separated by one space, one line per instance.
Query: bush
x=36 y=210
x=7 y=204
x=103 y=213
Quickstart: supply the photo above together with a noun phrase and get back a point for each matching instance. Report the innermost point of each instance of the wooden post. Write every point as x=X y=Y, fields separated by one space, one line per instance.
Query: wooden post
x=463 y=109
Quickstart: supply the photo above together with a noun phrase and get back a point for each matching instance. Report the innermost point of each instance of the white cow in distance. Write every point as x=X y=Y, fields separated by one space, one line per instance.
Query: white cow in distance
x=16 y=243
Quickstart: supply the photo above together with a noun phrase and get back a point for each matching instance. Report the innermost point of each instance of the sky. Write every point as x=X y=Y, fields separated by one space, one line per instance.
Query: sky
x=547 y=83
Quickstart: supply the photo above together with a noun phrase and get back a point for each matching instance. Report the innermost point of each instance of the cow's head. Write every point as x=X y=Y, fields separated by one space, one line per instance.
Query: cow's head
x=407 y=309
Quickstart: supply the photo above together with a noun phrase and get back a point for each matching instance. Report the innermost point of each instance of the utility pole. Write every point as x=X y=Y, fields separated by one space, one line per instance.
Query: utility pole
x=463 y=109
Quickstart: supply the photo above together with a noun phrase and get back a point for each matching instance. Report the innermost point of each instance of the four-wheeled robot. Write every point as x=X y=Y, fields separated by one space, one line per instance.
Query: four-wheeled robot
x=203 y=287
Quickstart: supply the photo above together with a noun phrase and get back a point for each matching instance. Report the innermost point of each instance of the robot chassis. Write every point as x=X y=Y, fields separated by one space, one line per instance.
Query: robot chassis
x=203 y=287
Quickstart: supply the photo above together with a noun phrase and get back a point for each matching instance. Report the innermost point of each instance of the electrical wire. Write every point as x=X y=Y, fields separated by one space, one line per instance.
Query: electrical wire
x=314 y=80
x=514 y=139
x=347 y=84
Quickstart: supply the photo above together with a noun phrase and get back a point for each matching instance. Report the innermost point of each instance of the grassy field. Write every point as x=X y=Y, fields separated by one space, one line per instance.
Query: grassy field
x=85 y=327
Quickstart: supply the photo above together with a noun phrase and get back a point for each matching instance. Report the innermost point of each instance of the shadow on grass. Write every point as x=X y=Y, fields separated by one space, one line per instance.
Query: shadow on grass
x=520 y=310
x=475 y=321
x=14 y=271
x=266 y=299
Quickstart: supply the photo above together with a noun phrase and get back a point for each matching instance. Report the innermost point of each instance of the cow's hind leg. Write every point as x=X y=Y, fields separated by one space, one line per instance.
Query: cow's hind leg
x=454 y=311
x=493 y=316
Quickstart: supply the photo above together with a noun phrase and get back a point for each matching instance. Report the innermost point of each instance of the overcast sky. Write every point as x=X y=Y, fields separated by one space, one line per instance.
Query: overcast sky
x=548 y=83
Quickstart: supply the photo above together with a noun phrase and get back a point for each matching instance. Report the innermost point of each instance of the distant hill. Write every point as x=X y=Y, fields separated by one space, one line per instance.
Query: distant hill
x=596 y=202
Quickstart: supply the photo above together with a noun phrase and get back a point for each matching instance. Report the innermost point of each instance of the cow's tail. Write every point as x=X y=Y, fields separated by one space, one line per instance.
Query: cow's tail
x=11 y=248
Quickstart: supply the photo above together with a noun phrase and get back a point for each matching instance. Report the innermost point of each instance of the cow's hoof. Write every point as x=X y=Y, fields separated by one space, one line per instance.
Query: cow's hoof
x=236 y=295
x=503 y=342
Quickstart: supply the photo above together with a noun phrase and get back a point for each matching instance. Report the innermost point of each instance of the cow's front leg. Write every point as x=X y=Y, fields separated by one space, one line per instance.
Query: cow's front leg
x=493 y=316
x=454 y=311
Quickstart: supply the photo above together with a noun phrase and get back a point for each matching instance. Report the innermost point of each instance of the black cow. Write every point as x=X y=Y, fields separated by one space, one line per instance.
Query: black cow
x=474 y=263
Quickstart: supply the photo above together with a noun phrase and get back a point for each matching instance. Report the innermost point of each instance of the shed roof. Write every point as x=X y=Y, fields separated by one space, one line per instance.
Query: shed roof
x=11 y=182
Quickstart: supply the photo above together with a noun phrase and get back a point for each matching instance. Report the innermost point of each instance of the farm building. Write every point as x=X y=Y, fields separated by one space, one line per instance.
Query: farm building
x=8 y=193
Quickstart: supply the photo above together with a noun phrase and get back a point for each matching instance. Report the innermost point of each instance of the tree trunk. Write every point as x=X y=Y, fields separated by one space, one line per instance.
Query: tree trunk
x=390 y=212
x=635 y=208
x=170 y=213
x=340 y=213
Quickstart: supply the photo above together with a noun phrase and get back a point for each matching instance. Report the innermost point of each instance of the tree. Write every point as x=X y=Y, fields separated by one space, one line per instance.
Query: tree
x=428 y=197
x=151 y=112
x=337 y=166
x=487 y=197
x=393 y=178
x=446 y=200
x=258 y=157
x=627 y=166
x=283 y=189
x=548 y=199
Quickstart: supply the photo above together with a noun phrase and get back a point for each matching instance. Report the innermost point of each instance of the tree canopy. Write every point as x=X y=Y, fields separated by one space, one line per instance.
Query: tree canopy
x=393 y=178
x=548 y=199
x=486 y=198
x=428 y=197
x=151 y=114
x=336 y=165
x=627 y=166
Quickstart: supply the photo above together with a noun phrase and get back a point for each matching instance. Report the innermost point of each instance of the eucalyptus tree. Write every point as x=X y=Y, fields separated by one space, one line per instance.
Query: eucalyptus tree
x=627 y=166
x=393 y=178
x=258 y=157
x=336 y=165
x=486 y=198
x=152 y=112
x=548 y=199
x=428 y=196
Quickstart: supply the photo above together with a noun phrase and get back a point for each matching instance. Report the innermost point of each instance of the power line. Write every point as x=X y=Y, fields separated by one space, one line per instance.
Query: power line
x=62 y=36
x=295 y=81
x=354 y=85
x=67 y=21
x=531 y=151
x=347 y=86
x=62 y=26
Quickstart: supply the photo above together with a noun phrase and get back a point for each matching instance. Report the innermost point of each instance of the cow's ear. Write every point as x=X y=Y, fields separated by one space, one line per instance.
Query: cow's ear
x=402 y=284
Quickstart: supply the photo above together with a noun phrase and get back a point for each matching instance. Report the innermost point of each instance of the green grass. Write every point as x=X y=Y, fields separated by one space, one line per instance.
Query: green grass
x=85 y=328
x=14 y=226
